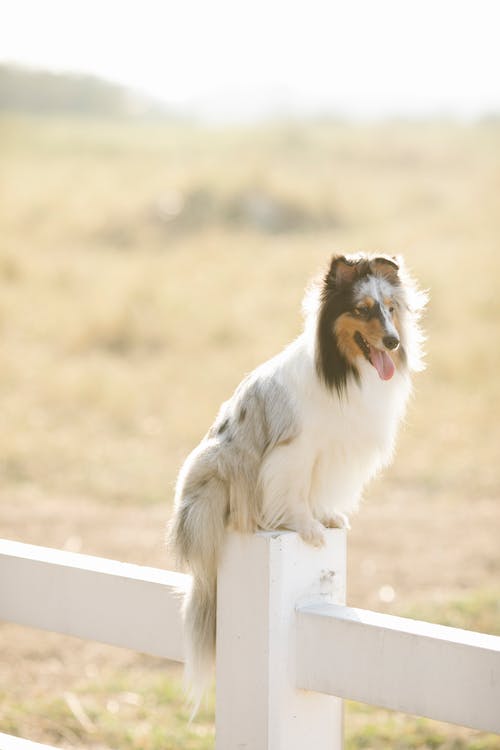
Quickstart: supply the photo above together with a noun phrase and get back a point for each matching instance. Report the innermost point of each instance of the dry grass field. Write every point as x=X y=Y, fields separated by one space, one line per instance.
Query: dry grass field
x=144 y=268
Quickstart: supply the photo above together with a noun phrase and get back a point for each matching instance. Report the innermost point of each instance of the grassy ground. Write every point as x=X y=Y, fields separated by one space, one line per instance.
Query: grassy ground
x=143 y=271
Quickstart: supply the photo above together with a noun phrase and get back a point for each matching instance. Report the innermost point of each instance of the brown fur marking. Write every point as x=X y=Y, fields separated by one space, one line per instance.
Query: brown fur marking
x=372 y=330
x=345 y=328
x=366 y=301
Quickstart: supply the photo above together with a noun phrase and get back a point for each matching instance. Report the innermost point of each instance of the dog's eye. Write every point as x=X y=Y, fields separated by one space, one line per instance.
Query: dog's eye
x=391 y=309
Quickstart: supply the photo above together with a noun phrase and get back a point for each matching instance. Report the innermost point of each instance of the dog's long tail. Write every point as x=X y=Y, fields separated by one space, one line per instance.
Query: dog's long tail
x=197 y=534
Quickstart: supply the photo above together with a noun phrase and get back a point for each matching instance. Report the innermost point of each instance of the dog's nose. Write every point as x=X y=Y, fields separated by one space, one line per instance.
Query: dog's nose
x=390 y=342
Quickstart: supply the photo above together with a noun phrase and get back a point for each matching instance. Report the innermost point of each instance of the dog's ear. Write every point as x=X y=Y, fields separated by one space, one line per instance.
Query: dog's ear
x=384 y=266
x=342 y=271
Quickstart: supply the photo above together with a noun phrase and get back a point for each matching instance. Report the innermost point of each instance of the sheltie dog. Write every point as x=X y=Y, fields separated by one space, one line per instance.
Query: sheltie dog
x=303 y=433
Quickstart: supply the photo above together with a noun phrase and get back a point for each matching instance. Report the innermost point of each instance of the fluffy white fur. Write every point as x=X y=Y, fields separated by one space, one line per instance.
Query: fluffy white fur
x=338 y=446
x=287 y=451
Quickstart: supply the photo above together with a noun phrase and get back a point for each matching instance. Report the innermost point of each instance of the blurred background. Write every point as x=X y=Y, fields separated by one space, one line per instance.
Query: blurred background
x=171 y=176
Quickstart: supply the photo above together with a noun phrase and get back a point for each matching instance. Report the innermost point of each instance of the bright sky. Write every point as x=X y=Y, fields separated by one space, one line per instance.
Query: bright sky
x=234 y=59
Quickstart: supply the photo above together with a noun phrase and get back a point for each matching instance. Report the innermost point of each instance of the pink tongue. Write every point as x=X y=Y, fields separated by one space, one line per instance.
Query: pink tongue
x=382 y=363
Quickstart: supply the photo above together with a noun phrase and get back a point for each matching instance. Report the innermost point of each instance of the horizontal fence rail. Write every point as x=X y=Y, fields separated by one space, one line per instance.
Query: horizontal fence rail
x=8 y=742
x=430 y=670
x=121 y=604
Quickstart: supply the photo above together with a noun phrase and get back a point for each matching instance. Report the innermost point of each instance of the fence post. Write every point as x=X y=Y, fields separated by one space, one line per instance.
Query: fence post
x=262 y=578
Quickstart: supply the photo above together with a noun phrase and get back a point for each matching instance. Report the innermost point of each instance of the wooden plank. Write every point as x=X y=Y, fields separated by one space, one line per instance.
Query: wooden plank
x=261 y=579
x=429 y=670
x=9 y=742
x=89 y=597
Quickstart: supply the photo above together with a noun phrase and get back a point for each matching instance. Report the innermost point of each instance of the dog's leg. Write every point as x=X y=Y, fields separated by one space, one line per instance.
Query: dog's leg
x=336 y=520
x=285 y=480
x=309 y=528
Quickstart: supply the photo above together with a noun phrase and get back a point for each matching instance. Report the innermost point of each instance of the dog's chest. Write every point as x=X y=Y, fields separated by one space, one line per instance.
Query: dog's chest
x=364 y=417
x=349 y=440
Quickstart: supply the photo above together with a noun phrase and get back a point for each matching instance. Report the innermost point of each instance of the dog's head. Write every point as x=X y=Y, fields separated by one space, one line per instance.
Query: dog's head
x=361 y=316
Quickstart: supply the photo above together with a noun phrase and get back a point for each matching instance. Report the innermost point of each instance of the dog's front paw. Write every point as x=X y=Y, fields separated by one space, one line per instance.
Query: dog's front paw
x=336 y=520
x=313 y=533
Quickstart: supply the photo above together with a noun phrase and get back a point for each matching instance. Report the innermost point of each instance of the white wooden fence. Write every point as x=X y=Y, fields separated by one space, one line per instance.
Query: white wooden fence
x=288 y=650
